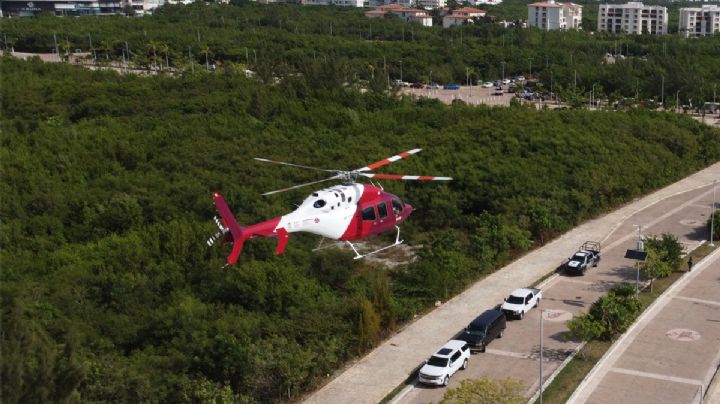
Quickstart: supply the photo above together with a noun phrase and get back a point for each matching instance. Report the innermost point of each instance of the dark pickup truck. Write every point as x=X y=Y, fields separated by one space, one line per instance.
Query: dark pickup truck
x=587 y=255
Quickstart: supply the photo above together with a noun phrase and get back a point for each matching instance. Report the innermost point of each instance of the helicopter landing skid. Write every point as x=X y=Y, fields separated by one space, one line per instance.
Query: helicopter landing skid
x=358 y=255
x=322 y=246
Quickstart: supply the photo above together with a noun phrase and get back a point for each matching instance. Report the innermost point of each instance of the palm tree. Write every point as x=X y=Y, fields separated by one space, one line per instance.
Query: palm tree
x=106 y=47
x=205 y=50
x=165 y=50
x=153 y=47
x=66 y=47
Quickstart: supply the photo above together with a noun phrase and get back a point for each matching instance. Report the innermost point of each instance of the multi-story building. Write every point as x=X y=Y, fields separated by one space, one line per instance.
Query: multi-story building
x=633 y=18
x=553 y=15
x=431 y=4
x=82 y=7
x=699 y=21
x=462 y=16
x=342 y=3
x=408 y=14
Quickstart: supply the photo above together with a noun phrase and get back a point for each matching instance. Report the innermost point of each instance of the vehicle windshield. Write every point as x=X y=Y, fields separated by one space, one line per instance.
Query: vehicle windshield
x=578 y=257
x=439 y=362
x=515 y=300
x=475 y=333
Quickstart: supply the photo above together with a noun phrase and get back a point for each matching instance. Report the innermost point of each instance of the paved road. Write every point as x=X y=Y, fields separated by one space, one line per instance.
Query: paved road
x=672 y=350
x=517 y=354
x=682 y=206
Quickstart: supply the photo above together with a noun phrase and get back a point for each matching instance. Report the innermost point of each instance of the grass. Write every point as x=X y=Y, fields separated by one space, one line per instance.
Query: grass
x=573 y=374
x=570 y=377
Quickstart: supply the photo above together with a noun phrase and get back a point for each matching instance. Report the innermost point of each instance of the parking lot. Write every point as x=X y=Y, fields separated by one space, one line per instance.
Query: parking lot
x=516 y=355
x=471 y=95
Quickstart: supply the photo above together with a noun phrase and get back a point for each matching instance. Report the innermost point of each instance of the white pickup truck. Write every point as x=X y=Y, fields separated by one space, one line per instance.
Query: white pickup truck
x=521 y=301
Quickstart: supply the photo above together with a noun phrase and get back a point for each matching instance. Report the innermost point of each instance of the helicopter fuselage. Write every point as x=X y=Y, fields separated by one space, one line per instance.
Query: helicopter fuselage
x=343 y=212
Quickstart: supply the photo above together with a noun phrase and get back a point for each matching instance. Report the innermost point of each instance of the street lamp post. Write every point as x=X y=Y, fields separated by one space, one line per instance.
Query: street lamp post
x=640 y=247
x=677 y=100
x=712 y=216
x=503 y=69
x=541 y=355
x=662 y=92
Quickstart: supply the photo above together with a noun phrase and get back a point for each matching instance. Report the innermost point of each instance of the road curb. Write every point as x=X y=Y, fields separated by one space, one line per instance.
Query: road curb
x=557 y=371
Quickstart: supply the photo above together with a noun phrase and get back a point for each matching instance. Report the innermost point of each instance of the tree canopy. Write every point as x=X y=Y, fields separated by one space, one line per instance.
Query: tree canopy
x=109 y=292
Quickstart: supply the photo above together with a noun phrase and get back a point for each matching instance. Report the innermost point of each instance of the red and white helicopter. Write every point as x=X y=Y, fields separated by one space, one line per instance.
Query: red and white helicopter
x=347 y=212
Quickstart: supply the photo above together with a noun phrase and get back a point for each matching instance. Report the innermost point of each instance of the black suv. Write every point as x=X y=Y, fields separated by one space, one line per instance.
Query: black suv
x=485 y=328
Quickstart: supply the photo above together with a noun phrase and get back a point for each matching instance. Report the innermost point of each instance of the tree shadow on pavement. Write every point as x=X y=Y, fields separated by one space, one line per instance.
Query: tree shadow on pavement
x=550 y=355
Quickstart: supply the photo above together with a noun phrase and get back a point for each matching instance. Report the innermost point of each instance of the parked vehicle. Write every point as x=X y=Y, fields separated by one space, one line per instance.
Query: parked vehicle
x=498 y=92
x=451 y=87
x=521 y=301
x=452 y=357
x=433 y=86
x=485 y=328
x=487 y=84
x=587 y=255
x=417 y=85
x=506 y=81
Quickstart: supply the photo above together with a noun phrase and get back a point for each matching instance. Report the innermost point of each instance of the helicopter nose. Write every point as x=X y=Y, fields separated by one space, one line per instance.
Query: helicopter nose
x=408 y=209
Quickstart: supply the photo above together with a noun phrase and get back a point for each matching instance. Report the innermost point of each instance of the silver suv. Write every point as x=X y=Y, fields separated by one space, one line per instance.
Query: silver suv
x=452 y=357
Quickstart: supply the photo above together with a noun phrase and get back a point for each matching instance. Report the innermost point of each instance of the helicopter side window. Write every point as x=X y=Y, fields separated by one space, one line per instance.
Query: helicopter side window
x=319 y=203
x=397 y=206
x=368 y=213
x=382 y=210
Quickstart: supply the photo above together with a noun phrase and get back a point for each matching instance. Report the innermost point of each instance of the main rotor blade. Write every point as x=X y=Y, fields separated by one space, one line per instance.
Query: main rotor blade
x=334 y=177
x=405 y=177
x=294 y=165
x=389 y=160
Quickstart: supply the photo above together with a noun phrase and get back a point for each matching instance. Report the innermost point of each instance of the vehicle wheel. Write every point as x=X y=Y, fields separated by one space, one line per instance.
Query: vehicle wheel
x=522 y=314
x=446 y=380
x=482 y=349
x=537 y=303
x=501 y=333
x=464 y=366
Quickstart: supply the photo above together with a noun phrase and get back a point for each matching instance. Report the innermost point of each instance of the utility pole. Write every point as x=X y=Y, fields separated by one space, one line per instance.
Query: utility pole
x=57 y=51
x=92 y=49
x=662 y=91
x=192 y=62
x=712 y=217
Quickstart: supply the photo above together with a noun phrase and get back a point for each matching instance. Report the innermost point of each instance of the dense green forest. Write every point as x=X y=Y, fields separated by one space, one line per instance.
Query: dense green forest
x=109 y=292
x=278 y=41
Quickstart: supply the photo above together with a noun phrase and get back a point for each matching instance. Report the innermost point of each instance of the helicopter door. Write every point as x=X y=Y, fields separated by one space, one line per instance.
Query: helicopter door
x=382 y=212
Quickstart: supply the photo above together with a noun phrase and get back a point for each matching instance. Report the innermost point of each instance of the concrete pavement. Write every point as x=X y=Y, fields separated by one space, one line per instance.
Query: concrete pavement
x=379 y=372
x=670 y=352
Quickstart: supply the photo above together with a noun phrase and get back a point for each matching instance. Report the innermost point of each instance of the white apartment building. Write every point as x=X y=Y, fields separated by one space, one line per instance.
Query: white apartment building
x=699 y=21
x=342 y=3
x=550 y=15
x=633 y=18
x=431 y=4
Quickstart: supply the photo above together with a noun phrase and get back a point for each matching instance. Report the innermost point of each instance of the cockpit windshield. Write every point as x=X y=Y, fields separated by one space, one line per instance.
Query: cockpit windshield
x=319 y=203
